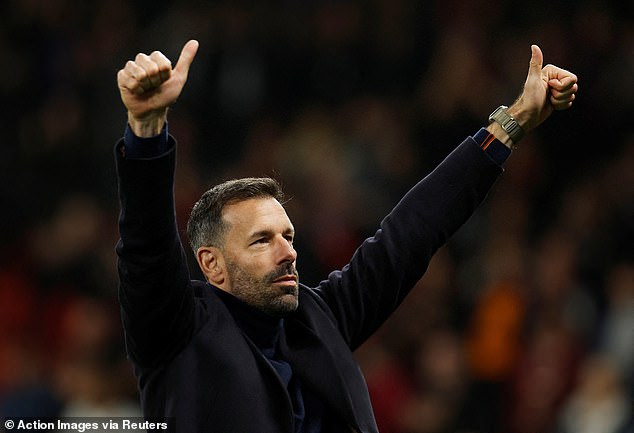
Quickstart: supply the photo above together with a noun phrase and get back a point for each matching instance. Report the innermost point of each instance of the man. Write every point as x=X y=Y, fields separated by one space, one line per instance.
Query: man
x=251 y=350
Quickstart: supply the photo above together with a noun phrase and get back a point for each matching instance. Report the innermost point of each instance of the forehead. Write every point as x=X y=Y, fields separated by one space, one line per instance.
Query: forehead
x=256 y=214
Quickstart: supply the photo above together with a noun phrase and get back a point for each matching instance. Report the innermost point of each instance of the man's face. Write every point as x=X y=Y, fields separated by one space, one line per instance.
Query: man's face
x=259 y=255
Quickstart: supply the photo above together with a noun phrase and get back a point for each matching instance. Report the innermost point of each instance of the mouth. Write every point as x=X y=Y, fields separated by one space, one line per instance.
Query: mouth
x=286 y=280
x=288 y=284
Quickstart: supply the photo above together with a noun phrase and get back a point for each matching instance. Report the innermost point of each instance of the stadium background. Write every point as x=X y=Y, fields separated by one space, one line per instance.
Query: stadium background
x=523 y=323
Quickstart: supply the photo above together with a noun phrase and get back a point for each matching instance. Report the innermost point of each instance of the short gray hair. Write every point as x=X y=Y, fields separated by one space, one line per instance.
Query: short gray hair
x=206 y=226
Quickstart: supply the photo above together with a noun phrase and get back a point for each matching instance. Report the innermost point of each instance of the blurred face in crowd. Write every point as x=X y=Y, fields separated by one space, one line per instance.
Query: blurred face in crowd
x=257 y=260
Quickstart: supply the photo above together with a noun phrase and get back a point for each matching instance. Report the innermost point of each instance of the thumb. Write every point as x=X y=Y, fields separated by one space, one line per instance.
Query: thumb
x=537 y=61
x=186 y=57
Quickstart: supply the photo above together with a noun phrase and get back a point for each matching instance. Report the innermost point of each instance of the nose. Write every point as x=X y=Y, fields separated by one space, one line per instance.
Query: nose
x=286 y=252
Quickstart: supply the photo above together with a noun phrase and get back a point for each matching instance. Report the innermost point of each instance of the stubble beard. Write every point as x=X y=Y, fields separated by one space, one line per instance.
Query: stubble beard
x=262 y=293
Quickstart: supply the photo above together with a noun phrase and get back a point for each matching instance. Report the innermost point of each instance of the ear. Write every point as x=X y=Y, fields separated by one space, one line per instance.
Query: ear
x=211 y=262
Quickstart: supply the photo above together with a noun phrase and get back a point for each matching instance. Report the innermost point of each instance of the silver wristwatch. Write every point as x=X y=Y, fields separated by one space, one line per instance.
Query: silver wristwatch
x=508 y=123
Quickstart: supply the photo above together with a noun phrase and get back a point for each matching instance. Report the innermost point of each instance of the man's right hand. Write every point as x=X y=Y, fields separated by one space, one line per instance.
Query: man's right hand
x=148 y=86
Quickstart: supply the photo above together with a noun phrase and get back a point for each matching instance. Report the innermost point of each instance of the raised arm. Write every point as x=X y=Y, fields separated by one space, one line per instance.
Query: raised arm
x=385 y=267
x=156 y=296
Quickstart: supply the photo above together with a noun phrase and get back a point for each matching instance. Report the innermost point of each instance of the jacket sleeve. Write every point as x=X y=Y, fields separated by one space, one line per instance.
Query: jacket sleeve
x=386 y=266
x=155 y=291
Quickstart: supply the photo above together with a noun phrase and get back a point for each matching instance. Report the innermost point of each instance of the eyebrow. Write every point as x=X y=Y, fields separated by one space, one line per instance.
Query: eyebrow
x=269 y=232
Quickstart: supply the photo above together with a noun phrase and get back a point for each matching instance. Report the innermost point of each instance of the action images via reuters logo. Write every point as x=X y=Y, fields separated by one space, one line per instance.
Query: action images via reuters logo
x=83 y=425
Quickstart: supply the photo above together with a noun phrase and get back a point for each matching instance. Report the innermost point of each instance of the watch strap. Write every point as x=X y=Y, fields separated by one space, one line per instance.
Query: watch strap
x=508 y=123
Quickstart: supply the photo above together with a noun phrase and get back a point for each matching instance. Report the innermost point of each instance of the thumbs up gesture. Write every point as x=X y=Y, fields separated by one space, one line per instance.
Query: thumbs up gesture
x=149 y=85
x=547 y=88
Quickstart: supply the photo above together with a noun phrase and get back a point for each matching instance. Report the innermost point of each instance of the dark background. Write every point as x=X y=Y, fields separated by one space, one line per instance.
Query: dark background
x=523 y=323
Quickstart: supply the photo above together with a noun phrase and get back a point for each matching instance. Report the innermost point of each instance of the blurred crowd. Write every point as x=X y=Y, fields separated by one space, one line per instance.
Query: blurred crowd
x=524 y=321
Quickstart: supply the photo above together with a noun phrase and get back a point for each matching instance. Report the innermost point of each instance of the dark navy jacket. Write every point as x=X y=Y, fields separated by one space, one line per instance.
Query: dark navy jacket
x=195 y=365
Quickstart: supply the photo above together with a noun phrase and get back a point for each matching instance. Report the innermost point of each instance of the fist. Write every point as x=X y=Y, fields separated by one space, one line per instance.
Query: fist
x=547 y=88
x=149 y=85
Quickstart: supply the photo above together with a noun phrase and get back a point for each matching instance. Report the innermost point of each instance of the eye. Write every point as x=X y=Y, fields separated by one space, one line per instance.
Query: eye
x=260 y=241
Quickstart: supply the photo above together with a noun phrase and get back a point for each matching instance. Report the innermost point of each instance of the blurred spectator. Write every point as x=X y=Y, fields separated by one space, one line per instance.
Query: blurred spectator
x=617 y=335
x=544 y=378
x=599 y=404
x=441 y=378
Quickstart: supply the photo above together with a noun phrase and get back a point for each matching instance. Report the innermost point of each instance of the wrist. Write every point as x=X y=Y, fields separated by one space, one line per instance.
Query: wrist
x=147 y=126
x=500 y=134
x=523 y=116
x=505 y=127
x=136 y=147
